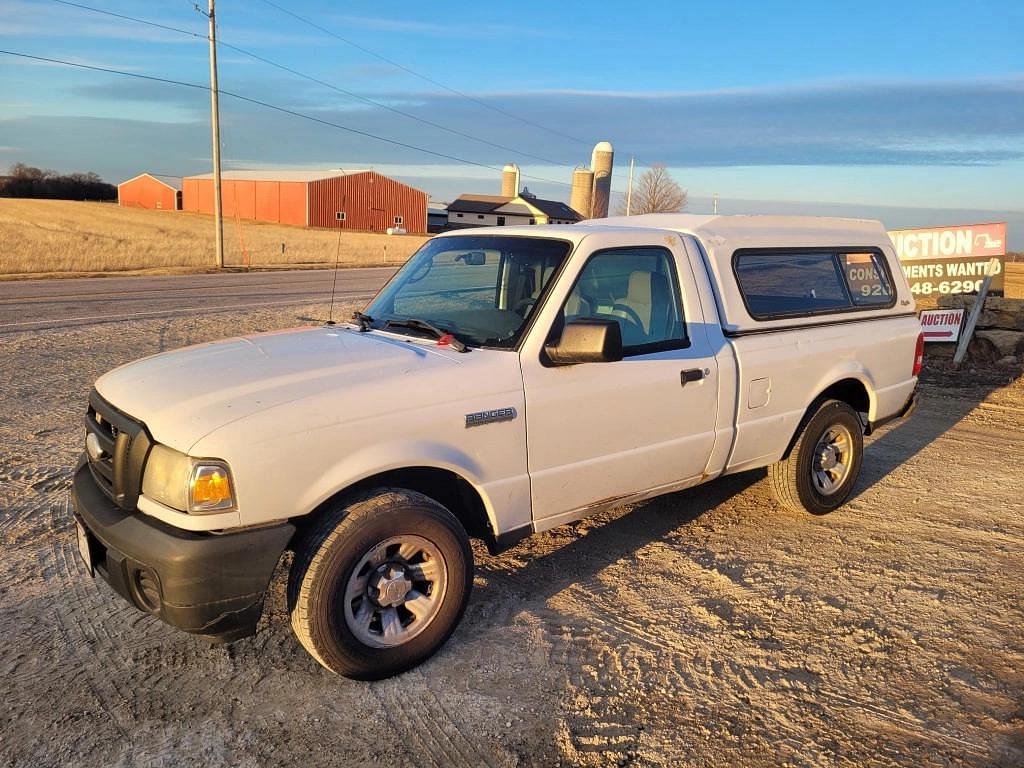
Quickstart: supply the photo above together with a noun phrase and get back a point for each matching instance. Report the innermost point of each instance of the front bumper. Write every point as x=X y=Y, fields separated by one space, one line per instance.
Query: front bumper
x=208 y=584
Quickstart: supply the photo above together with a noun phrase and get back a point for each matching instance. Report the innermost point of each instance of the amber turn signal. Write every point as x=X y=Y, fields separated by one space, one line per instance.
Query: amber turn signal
x=210 y=489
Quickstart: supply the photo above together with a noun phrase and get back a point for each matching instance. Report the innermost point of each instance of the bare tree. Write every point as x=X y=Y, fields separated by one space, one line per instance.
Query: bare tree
x=27 y=181
x=655 y=191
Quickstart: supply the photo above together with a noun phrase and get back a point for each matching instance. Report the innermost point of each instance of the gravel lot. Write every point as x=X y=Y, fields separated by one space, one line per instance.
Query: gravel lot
x=709 y=627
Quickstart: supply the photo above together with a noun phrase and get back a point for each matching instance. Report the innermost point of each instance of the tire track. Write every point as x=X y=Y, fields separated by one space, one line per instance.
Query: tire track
x=393 y=707
x=735 y=682
x=451 y=726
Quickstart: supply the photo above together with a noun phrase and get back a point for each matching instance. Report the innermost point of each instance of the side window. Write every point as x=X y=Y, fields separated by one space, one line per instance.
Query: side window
x=780 y=283
x=868 y=279
x=636 y=287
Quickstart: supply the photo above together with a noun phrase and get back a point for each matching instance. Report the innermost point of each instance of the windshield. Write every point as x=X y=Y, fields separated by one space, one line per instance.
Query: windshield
x=482 y=289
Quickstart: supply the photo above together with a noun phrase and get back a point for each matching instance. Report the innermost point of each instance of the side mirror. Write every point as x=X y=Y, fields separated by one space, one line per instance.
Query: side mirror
x=473 y=258
x=587 y=341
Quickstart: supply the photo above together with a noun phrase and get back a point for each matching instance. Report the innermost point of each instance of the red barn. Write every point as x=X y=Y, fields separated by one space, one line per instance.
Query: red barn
x=147 y=190
x=358 y=200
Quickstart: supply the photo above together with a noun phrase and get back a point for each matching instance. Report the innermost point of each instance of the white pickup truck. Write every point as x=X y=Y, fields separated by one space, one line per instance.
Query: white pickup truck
x=505 y=381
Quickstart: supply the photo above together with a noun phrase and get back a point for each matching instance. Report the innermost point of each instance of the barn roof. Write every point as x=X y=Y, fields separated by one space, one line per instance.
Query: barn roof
x=174 y=182
x=554 y=208
x=280 y=175
x=478 y=203
x=520 y=205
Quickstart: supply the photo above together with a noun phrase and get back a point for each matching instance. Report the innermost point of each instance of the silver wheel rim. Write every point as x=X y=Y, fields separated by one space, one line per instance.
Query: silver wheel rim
x=395 y=591
x=830 y=465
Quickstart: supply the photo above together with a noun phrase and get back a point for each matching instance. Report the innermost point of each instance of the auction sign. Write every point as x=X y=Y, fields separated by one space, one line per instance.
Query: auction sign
x=946 y=260
x=941 y=324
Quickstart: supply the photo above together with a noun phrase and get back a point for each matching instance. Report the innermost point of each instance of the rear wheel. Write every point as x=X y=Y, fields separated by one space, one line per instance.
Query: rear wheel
x=822 y=468
x=379 y=583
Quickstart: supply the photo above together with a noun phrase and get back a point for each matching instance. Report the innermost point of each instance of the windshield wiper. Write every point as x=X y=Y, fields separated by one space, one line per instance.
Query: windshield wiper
x=364 y=321
x=422 y=325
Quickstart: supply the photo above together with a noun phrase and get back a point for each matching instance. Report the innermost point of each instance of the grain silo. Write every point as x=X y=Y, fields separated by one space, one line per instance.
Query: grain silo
x=601 y=166
x=582 y=190
x=510 y=180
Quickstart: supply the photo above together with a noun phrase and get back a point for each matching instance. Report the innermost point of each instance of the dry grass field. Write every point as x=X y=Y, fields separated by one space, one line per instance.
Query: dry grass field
x=61 y=236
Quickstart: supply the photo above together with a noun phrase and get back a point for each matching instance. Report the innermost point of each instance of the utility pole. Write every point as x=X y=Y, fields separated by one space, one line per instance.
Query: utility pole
x=218 y=213
x=629 y=192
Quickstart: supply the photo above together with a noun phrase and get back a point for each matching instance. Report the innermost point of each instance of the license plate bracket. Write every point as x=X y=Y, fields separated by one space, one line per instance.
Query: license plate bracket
x=85 y=548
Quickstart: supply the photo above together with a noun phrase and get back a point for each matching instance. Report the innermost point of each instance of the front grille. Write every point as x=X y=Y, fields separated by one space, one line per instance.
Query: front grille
x=120 y=445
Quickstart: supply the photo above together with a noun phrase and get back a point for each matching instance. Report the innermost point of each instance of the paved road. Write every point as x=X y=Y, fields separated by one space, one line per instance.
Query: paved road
x=36 y=304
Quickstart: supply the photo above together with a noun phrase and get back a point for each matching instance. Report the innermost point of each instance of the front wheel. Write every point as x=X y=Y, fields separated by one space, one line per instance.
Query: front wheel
x=379 y=584
x=822 y=468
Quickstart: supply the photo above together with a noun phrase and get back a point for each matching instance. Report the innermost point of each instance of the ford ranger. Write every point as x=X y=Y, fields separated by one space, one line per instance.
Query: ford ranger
x=506 y=380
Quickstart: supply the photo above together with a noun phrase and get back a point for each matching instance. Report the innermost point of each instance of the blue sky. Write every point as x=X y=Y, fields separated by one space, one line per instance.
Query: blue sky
x=911 y=112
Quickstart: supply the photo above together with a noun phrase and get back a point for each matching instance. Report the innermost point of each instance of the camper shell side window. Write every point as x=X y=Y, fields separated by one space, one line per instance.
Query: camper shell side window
x=777 y=283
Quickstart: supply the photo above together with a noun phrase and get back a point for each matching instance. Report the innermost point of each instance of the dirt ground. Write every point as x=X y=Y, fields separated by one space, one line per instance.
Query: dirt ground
x=709 y=627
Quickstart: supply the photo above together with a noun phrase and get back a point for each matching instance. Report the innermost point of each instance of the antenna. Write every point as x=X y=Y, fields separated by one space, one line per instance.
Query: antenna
x=334 y=284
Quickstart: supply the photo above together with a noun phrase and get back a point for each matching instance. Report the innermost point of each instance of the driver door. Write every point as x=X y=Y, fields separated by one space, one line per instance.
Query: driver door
x=599 y=432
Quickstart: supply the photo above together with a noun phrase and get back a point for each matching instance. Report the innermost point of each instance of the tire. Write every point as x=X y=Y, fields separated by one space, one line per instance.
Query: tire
x=804 y=480
x=354 y=562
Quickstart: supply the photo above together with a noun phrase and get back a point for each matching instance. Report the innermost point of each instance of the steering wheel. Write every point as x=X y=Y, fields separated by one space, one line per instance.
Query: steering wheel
x=633 y=316
x=523 y=305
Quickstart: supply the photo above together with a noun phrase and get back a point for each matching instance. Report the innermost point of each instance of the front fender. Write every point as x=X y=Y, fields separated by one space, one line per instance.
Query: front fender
x=505 y=500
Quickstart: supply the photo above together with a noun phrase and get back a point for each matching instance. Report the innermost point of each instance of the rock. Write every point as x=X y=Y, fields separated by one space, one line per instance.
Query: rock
x=1005 y=342
x=1008 y=362
x=999 y=312
x=939 y=350
x=956 y=301
x=982 y=351
x=1004 y=313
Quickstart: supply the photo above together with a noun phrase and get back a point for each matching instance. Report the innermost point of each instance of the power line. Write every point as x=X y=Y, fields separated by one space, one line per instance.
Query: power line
x=297 y=73
x=276 y=108
x=395 y=110
x=132 y=18
x=421 y=76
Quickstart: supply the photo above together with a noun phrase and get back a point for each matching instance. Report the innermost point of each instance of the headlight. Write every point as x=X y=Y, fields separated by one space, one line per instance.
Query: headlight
x=166 y=477
x=178 y=481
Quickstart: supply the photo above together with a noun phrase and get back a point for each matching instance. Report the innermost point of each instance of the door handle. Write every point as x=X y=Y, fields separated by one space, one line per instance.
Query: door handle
x=691 y=374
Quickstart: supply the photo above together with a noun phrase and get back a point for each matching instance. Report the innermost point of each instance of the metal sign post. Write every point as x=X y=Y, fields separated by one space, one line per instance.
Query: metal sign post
x=972 y=319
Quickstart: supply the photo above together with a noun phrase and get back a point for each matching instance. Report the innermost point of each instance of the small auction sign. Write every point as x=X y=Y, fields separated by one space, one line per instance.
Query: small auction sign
x=946 y=260
x=941 y=324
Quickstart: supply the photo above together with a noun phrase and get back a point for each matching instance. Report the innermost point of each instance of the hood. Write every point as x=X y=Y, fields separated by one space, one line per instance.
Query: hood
x=186 y=394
